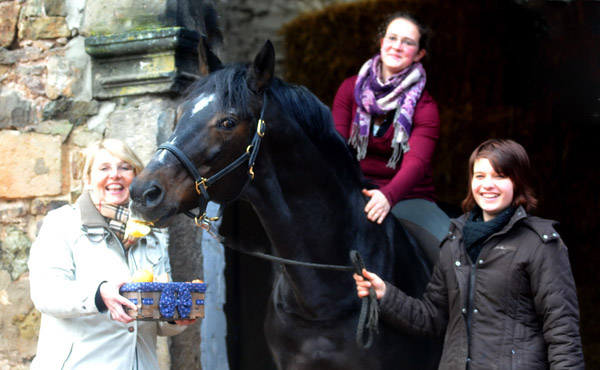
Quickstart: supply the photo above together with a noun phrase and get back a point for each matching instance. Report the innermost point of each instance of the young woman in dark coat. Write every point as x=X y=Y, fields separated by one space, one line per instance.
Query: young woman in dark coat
x=502 y=293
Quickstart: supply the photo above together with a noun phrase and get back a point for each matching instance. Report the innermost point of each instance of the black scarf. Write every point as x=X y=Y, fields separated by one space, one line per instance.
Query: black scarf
x=476 y=230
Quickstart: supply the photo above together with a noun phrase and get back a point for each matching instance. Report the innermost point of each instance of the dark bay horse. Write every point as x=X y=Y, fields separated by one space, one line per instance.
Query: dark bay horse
x=305 y=186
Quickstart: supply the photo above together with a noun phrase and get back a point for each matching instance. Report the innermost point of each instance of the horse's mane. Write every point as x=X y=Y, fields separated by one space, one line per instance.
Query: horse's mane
x=316 y=121
x=297 y=102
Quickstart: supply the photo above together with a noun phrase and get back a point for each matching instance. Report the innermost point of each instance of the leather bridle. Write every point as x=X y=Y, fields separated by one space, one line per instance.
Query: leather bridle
x=202 y=183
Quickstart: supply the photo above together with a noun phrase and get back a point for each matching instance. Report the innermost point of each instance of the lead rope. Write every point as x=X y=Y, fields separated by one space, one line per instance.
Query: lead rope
x=369 y=312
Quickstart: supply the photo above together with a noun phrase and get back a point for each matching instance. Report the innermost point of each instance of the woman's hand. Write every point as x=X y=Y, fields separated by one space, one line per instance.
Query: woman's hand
x=377 y=207
x=114 y=301
x=370 y=280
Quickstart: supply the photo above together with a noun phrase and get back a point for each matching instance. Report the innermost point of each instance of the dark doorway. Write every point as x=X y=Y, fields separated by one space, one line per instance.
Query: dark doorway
x=248 y=284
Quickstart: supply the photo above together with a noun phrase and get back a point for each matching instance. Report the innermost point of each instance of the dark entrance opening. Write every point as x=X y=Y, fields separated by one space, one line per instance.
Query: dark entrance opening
x=248 y=283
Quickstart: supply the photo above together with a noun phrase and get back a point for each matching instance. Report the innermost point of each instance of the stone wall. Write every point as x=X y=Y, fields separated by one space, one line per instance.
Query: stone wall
x=49 y=113
x=43 y=105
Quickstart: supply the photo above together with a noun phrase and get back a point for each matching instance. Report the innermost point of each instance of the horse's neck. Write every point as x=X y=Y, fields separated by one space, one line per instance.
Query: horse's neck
x=310 y=217
x=305 y=212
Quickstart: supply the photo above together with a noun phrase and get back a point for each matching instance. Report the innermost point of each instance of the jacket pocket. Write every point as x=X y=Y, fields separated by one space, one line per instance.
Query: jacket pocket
x=153 y=252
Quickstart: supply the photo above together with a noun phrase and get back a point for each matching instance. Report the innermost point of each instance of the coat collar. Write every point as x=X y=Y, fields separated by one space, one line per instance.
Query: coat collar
x=459 y=223
x=90 y=217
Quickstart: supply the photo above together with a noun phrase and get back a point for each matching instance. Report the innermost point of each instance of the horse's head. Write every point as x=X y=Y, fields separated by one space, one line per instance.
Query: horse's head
x=215 y=129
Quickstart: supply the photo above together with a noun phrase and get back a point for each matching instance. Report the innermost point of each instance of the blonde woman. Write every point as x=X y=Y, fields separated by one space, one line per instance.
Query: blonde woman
x=78 y=262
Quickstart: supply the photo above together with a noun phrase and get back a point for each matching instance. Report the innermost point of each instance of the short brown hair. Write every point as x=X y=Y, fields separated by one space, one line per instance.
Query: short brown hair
x=510 y=159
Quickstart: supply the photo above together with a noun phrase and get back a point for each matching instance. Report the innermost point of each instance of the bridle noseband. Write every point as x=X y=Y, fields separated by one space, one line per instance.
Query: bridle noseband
x=202 y=183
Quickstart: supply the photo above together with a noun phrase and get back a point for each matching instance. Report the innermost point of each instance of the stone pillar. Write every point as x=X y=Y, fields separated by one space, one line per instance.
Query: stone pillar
x=144 y=54
x=214 y=347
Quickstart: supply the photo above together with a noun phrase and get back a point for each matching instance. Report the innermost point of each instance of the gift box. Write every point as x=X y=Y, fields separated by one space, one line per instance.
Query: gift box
x=165 y=301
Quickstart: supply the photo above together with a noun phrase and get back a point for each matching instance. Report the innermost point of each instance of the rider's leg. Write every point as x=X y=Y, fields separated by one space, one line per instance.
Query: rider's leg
x=426 y=222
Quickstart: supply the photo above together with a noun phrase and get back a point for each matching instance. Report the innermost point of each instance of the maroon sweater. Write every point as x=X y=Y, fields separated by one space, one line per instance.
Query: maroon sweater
x=412 y=177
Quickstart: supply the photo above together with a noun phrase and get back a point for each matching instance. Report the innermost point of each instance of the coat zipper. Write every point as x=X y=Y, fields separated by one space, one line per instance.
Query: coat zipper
x=471 y=298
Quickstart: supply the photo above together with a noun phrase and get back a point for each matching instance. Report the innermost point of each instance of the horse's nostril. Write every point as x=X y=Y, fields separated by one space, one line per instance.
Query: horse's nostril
x=152 y=196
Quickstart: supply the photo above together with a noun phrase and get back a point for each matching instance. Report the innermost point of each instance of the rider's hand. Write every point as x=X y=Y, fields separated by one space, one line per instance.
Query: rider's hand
x=370 y=280
x=377 y=207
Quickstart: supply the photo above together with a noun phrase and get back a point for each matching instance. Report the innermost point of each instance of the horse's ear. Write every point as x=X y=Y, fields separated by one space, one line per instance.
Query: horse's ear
x=209 y=61
x=211 y=39
x=261 y=71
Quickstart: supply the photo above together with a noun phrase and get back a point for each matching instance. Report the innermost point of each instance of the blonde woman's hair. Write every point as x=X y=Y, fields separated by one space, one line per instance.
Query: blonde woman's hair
x=115 y=147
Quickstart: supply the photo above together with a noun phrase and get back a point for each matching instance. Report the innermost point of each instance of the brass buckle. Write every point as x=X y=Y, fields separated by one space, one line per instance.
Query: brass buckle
x=260 y=128
x=204 y=222
x=203 y=183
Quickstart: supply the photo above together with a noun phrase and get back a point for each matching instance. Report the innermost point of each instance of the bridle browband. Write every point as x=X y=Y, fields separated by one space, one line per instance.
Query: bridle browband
x=202 y=183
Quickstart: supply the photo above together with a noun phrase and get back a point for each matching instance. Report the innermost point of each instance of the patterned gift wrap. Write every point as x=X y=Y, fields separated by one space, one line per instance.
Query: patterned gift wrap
x=165 y=301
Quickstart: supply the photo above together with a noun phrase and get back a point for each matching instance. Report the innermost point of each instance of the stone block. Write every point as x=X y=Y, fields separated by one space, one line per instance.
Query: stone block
x=15 y=111
x=77 y=160
x=19 y=321
x=33 y=8
x=73 y=111
x=11 y=212
x=15 y=250
x=62 y=128
x=69 y=74
x=26 y=54
x=8 y=22
x=55 y=8
x=140 y=62
x=41 y=206
x=43 y=28
x=82 y=136
x=112 y=16
x=137 y=124
x=115 y=16
x=30 y=165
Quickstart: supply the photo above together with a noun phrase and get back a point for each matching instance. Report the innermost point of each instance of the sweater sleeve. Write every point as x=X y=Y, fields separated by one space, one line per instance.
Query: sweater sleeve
x=427 y=316
x=555 y=297
x=343 y=107
x=417 y=161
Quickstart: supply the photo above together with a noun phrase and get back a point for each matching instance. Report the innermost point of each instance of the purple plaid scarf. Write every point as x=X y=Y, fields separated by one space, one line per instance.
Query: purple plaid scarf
x=401 y=92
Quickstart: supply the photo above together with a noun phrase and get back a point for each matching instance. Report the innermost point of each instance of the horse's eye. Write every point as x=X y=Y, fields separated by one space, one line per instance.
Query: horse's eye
x=227 y=123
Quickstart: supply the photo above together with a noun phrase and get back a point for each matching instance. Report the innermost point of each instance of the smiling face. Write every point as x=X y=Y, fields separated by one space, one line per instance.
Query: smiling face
x=400 y=47
x=110 y=177
x=493 y=192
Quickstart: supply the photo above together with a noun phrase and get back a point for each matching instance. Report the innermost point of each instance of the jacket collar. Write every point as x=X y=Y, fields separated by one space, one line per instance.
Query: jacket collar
x=516 y=217
x=90 y=217
x=519 y=214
